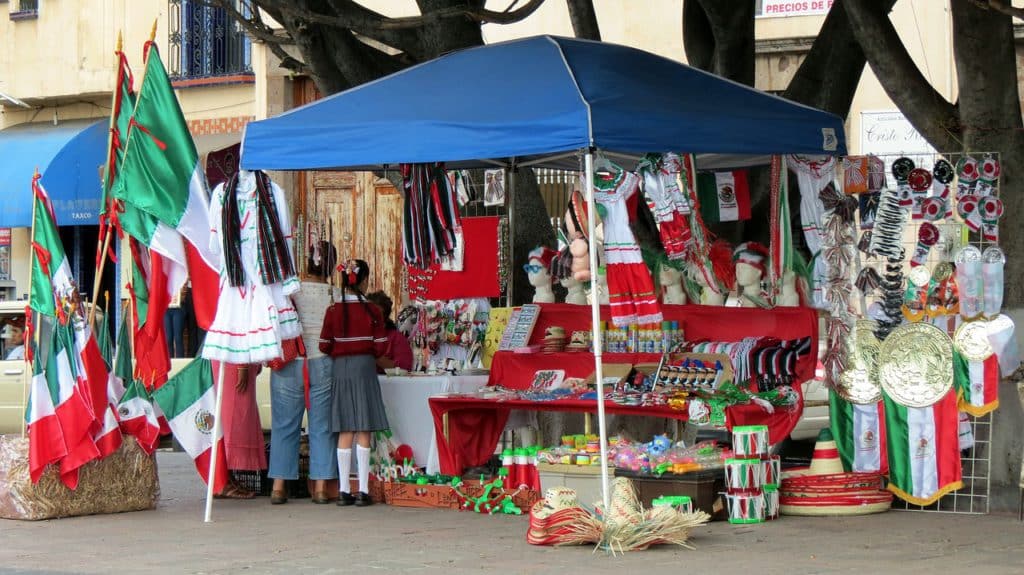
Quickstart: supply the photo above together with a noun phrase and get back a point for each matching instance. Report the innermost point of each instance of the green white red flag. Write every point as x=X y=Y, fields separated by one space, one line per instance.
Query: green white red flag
x=189 y=401
x=859 y=431
x=924 y=449
x=138 y=418
x=160 y=175
x=724 y=196
x=977 y=383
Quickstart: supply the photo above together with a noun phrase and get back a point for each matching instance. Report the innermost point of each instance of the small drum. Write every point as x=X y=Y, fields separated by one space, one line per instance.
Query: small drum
x=771 y=502
x=744 y=476
x=750 y=440
x=746 y=508
x=681 y=503
x=772 y=470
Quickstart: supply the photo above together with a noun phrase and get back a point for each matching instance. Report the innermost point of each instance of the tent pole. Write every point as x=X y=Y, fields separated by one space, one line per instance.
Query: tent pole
x=595 y=321
x=211 y=476
x=510 y=195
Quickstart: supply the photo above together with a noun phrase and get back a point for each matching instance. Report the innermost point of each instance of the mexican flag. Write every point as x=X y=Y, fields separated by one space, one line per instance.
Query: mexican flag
x=94 y=376
x=859 y=431
x=160 y=175
x=924 y=449
x=977 y=383
x=724 y=196
x=138 y=418
x=189 y=401
x=78 y=421
x=45 y=437
x=150 y=299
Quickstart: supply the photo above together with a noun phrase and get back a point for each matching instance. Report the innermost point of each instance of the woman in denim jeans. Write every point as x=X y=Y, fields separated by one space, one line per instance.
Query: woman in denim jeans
x=287 y=404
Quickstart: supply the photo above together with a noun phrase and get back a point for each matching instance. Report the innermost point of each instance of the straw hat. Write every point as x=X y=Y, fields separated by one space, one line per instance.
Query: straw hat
x=825 y=460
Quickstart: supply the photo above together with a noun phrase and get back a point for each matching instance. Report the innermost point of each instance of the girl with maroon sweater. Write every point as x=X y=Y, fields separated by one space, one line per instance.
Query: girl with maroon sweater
x=353 y=334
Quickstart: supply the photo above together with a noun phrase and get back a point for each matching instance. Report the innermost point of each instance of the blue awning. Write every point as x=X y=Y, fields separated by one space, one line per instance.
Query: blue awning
x=532 y=101
x=68 y=155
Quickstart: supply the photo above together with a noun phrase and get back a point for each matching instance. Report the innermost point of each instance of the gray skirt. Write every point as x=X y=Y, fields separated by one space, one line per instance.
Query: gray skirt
x=356 y=402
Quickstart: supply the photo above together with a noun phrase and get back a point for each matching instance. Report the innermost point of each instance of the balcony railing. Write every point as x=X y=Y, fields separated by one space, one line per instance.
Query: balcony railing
x=205 y=43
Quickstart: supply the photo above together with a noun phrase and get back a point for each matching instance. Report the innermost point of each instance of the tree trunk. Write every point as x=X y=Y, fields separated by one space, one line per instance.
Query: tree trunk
x=584 y=19
x=531 y=228
x=732 y=25
x=990 y=117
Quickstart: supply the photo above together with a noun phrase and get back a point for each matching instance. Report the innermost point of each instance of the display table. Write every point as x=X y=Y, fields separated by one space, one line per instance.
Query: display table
x=698 y=322
x=468 y=428
x=405 y=400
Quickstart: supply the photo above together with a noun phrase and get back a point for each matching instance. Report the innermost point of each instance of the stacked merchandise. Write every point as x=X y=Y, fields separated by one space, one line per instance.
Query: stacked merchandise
x=751 y=498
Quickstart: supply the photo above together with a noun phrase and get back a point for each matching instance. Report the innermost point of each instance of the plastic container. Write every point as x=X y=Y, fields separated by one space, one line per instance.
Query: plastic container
x=702 y=487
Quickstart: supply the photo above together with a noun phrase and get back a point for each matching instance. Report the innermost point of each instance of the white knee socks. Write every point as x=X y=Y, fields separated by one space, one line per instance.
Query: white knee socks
x=344 y=470
x=363 y=459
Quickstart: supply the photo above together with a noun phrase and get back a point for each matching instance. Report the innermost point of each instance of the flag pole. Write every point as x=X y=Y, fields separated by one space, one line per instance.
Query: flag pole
x=28 y=309
x=115 y=107
x=211 y=476
x=595 y=324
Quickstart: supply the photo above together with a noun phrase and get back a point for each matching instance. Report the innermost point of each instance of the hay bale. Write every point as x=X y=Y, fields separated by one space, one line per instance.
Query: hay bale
x=124 y=481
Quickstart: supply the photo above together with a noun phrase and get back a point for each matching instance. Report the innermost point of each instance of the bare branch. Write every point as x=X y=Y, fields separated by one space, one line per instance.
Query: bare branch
x=366 y=21
x=698 y=40
x=927 y=110
x=257 y=28
x=1001 y=7
x=584 y=19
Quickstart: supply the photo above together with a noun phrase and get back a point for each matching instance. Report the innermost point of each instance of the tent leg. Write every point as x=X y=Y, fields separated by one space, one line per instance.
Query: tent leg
x=211 y=476
x=595 y=320
x=510 y=195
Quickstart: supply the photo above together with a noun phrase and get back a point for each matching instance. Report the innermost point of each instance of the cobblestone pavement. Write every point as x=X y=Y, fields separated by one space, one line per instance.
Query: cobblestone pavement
x=254 y=537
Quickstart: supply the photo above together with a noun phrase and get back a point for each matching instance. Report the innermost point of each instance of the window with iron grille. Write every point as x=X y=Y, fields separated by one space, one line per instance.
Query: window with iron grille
x=204 y=42
x=24 y=9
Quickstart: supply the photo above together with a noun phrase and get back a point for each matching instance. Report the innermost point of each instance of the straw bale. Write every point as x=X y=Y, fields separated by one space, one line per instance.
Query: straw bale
x=125 y=481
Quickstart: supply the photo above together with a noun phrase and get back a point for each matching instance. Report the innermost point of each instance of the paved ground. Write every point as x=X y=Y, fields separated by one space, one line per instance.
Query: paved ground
x=253 y=537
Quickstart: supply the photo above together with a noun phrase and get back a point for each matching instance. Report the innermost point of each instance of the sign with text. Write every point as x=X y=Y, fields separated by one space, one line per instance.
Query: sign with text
x=783 y=8
x=888 y=133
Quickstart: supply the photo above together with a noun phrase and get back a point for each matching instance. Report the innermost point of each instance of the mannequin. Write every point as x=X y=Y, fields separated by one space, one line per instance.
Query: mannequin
x=671 y=282
x=716 y=277
x=602 y=289
x=789 y=296
x=751 y=264
x=538 y=274
x=576 y=295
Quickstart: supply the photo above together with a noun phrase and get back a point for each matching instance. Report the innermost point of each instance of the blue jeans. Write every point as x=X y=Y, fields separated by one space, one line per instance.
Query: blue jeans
x=174 y=328
x=287 y=404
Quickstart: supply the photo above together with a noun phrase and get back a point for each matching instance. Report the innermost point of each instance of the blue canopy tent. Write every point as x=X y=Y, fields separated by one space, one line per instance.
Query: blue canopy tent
x=541 y=101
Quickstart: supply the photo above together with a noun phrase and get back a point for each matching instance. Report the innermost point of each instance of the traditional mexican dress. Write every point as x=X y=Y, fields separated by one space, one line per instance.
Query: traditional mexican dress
x=630 y=288
x=254 y=318
x=665 y=198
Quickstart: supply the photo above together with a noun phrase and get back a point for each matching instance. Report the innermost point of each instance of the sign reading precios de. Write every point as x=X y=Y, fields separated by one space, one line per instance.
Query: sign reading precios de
x=782 y=8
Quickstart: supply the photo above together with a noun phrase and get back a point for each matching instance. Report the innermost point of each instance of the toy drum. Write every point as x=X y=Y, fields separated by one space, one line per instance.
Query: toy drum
x=771 y=502
x=750 y=440
x=744 y=475
x=745 y=508
x=772 y=470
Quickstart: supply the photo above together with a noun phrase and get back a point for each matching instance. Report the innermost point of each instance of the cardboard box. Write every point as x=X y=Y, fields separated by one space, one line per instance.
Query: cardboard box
x=614 y=373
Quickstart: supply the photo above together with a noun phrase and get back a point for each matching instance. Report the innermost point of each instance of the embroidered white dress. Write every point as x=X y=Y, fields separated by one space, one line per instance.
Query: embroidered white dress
x=252 y=319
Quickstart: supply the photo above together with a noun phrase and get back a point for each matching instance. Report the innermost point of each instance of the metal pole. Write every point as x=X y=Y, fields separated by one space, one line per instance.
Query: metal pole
x=212 y=474
x=595 y=320
x=510 y=195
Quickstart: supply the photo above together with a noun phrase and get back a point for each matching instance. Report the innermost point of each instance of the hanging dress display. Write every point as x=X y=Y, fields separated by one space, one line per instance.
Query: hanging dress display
x=630 y=287
x=665 y=198
x=813 y=174
x=250 y=225
x=430 y=217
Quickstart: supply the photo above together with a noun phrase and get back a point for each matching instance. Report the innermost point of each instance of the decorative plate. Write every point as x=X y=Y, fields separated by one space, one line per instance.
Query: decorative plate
x=915 y=364
x=971 y=340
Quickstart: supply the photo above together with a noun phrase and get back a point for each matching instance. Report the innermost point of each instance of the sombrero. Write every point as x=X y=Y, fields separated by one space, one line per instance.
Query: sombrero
x=825 y=460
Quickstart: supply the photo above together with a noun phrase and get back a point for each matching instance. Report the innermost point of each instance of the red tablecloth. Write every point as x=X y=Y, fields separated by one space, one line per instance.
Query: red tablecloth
x=699 y=323
x=475 y=425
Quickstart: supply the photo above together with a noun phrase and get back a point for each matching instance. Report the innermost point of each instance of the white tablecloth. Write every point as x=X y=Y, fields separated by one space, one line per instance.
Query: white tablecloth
x=405 y=399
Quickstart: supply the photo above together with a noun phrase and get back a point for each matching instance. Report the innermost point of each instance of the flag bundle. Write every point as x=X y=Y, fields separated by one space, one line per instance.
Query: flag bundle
x=70 y=416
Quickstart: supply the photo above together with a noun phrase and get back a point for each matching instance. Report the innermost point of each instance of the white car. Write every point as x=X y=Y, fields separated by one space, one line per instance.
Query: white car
x=16 y=374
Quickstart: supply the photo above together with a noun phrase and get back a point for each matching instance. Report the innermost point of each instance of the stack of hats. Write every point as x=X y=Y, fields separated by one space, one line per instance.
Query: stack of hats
x=554 y=339
x=751 y=477
x=824 y=489
x=555 y=519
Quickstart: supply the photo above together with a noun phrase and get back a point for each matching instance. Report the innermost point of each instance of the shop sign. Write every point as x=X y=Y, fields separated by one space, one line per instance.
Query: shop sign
x=783 y=8
x=890 y=133
x=5 y=253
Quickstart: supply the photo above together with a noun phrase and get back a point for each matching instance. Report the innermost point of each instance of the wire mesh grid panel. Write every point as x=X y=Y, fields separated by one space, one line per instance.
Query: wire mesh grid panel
x=924 y=250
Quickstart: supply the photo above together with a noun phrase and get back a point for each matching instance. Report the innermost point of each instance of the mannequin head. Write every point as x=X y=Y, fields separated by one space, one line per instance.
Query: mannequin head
x=751 y=259
x=669 y=276
x=537 y=266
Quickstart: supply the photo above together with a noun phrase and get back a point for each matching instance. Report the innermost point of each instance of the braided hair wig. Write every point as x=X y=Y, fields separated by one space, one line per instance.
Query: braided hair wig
x=274 y=257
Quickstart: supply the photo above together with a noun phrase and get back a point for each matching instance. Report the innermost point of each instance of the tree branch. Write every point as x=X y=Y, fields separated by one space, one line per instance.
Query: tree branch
x=1001 y=7
x=584 y=19
x=732 y=24
x=698 y=41
x=258 y=29
x=926 y=109
x=364 y=20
